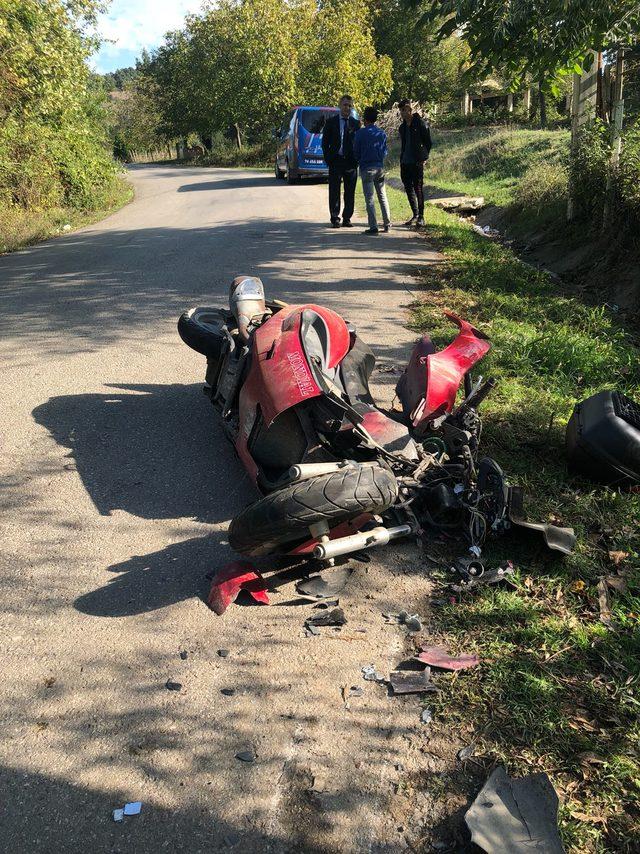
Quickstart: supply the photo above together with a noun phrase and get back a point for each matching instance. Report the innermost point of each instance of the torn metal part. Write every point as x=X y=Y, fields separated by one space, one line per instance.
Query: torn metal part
x=334 y=617
x=515 y=816
x=325 y=585
x=327 y=603
x=559 y=539
x=370 y=674
x=411 y=681
x=492 y=576
x=311 y=631
x=230 y=580
x=437 y=656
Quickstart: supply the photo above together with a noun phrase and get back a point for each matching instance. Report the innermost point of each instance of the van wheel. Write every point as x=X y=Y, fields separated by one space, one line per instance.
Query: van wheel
x=278 y=171
x=291 y=175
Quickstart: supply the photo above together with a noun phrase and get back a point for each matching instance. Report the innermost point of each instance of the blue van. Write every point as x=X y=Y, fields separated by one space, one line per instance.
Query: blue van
x=299 y=143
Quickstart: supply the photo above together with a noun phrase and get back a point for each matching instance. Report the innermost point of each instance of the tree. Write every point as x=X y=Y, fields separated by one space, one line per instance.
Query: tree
x=135 y=118
x=541 y=38
x=425 y=68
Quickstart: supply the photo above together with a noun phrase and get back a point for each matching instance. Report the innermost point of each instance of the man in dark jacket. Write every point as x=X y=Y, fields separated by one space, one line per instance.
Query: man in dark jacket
x=337 y=148
x=415 y=139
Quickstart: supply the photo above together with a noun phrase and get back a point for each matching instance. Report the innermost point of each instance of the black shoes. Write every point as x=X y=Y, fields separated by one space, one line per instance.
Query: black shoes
x=411 y=222
x=420 y=222
x=387 y=227
x=371 y=231
x=346 y=223
x=335 y=223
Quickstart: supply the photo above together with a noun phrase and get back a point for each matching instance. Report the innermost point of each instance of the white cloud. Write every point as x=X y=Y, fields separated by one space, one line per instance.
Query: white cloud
x=135 y=24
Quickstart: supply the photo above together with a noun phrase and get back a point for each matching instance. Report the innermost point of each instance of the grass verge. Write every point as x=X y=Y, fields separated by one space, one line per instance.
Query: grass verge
x=558 y=688
x=20 y=228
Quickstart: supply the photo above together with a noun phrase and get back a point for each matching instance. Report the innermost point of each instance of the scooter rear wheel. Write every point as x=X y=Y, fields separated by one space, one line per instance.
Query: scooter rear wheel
x=281 y=520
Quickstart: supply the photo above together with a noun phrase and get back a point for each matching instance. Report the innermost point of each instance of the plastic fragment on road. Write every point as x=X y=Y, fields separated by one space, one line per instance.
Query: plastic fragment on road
x=515 y=816
x=411 y=621
x=426 y=716
x=437 y=656
x=334 y=617
x=411 y=681
x=133 y=808
x=325 y=585
x=118 y=815
x=370 y=674
x=170 y=685
x=246 y=756
x=230 y=580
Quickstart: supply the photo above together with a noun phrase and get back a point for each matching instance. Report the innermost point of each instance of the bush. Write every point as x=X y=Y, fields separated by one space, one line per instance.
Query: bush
x=224 y=153
x=543 y=190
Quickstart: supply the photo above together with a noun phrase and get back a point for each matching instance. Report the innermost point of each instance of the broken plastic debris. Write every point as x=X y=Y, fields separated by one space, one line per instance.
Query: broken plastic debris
x=411 y=681
x=118 y=815
x=437 y=656
x=246 y=756
x=370 y=674
x=411 y=621
x=230 y=580
x=427 y=716
x=228 y=692
x=173 y=686
x=133 y=808
x=184 y=654
x=223 y=653
x=311 y=630
x=515 y=815
x=466 y=752
x=325 y=585
x=475 y=550
x=334 y=617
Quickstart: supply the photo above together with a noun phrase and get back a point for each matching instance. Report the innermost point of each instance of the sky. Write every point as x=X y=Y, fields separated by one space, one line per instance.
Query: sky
x=134 y=24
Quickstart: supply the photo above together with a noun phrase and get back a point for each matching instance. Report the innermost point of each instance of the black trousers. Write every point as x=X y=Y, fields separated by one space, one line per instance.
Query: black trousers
x=412 y=175
x=347 y=174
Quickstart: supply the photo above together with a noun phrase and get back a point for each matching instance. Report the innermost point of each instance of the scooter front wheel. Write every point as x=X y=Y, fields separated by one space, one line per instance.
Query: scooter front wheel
x=281 y=520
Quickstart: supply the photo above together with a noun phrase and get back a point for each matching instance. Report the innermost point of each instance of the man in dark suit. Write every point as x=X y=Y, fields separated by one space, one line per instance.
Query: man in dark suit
x=337 y=148
x=415 y=139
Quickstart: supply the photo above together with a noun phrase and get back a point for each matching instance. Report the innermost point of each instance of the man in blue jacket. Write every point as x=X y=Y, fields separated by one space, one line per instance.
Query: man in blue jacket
x=415 y=139
x=370 y=150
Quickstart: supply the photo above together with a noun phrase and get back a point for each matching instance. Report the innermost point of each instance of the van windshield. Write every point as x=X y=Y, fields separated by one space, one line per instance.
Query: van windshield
x=313 y=120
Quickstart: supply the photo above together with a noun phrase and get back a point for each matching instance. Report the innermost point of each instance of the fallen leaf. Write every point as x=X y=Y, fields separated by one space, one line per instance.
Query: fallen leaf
x=577 y=586
x=617 y=557
x=592 y=819
x=604 y=602
x=616 y=582
x=590 y=758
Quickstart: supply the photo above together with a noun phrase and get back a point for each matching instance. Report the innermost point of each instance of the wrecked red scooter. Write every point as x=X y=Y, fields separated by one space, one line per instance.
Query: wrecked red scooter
x=336 y=474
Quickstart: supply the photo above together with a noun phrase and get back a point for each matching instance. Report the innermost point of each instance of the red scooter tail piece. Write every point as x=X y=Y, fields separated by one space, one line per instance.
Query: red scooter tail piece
x=230 y=580
x=429 y=386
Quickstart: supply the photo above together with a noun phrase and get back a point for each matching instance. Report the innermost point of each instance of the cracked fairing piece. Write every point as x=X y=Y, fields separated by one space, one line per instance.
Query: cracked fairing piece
x=515 y=816
x=230 y=580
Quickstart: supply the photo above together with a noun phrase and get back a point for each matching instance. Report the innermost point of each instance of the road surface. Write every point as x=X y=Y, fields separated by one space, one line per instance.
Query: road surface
x=117 y=492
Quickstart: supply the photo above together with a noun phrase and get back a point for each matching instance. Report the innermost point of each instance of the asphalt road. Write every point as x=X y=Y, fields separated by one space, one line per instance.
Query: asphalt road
x=117 y=492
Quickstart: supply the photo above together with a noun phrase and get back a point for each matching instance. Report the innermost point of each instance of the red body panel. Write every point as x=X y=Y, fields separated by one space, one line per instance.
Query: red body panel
x=280 y=376
x=446 y=369
x=436 y=377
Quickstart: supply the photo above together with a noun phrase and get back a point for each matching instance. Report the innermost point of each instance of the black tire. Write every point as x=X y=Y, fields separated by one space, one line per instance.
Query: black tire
x=291 y=175
x=278 y=171
x=200 y=337
x=281 y=520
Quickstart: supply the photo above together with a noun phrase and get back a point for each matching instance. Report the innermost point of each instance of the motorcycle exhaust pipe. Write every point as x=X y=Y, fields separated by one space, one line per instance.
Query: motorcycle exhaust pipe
x=363 y=540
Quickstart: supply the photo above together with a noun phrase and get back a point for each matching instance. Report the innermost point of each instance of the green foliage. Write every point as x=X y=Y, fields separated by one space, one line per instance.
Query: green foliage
x=52 y=139
x=544 y=38
x=424 y=69
x=135 y=118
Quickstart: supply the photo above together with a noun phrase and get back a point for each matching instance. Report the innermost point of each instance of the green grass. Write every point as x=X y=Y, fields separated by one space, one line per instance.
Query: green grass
x=555 y=685
x=20 y=228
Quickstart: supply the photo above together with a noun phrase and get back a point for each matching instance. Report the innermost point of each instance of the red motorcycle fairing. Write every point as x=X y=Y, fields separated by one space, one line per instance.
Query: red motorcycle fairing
x=280 y=376
x=431 y=380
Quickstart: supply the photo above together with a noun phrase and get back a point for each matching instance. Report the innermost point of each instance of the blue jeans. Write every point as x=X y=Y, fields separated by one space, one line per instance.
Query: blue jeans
x=372 y=183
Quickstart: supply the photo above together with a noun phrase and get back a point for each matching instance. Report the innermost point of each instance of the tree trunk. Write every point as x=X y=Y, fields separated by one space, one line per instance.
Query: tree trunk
x=238 y=137
x=542 y=100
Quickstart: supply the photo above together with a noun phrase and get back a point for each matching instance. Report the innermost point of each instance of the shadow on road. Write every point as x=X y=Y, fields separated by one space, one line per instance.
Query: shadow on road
x=151 y=450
